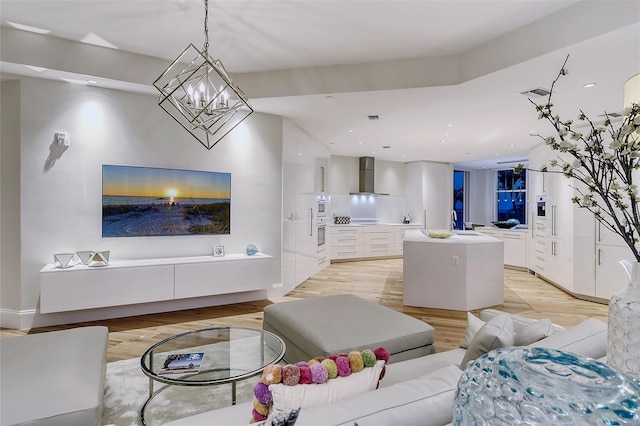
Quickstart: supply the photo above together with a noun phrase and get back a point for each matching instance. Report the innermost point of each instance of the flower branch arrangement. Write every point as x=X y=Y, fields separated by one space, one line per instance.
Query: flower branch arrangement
x=605 y=158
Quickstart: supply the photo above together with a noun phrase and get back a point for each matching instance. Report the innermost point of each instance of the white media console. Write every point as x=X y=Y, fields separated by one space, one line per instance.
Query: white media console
x=151 y=280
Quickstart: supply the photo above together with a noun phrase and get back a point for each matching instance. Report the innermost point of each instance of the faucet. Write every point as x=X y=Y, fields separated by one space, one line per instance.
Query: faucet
x=454 y=220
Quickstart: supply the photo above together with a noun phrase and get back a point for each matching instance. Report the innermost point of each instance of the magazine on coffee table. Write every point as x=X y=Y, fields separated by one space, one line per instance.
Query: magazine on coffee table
x=182 y=363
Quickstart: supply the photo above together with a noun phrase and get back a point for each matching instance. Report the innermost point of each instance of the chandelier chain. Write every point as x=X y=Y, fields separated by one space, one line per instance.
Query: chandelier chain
x=206 y=27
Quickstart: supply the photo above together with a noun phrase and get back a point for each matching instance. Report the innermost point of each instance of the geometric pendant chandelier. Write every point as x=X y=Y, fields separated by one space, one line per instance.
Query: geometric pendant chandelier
x=199 y=94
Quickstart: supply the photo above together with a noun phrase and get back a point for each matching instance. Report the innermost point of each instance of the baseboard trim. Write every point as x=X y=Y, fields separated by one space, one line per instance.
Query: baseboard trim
x=580 y=296
x=17 y=320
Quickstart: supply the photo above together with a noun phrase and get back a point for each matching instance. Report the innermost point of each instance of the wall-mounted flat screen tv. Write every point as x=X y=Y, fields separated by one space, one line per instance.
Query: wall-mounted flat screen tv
x=145 y=202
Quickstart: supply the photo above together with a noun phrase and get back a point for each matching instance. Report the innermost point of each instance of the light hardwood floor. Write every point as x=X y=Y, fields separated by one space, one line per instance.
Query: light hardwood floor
x=379 y=281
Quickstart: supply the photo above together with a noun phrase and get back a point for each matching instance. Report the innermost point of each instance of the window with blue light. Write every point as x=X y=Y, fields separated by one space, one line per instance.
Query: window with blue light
x=458 y=197
x=511 y=195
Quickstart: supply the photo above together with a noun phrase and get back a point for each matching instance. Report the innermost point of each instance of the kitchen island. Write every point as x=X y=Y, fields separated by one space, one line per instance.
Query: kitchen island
x=462 y=272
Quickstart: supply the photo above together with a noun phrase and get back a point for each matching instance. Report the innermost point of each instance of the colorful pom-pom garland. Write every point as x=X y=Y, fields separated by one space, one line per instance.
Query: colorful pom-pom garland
x=314 y=371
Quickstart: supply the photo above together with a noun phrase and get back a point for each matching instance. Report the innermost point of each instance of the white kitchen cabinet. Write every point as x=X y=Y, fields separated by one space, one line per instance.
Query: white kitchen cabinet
x=346 y=242
x=429 y=193
x=399 y=233
x=321 y=172
x=378 y=241
x=305 y=258
x=610 y=275
x=578 y=254
x=367 y=241
x=610 y=250
x=303 y=177
x=551 y=237
x=537 y=186
x=515 y=245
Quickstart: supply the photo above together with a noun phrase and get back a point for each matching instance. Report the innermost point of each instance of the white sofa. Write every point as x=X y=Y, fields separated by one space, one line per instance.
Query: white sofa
x=55 y=378
x=416 y=391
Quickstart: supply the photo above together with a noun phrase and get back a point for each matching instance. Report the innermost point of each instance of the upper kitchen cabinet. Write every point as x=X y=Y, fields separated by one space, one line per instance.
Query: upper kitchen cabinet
x=321 y=169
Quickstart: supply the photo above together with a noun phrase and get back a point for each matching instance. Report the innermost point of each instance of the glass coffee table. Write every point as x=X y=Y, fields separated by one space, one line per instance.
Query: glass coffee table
x=210 y=356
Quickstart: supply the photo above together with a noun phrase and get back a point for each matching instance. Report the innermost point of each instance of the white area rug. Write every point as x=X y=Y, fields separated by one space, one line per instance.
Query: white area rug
x=127 y=389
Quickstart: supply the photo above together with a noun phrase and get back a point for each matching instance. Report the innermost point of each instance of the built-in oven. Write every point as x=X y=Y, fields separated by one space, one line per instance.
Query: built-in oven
x=541 y=206
x=322 y=205
x=321 y=232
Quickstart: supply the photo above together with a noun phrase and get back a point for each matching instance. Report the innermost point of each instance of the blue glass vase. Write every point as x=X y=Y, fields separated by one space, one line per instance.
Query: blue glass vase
x=537 y=386
x=251 y=250
x=623 y=337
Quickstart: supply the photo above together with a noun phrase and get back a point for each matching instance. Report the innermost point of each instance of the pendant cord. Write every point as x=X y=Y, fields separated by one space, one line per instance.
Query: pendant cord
x=206 y=28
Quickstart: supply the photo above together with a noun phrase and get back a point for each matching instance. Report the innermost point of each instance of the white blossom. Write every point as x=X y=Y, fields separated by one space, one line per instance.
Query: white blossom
x=607 y=160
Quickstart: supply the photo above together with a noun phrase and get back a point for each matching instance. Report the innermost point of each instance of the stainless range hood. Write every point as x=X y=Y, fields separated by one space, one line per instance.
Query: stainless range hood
x=366 y=174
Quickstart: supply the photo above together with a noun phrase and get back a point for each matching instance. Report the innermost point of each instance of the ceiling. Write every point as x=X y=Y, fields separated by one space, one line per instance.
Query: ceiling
x=444 y=77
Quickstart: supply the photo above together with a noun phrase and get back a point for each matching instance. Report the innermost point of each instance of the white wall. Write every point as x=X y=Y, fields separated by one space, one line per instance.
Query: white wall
x=60 y=191
x=10 y=194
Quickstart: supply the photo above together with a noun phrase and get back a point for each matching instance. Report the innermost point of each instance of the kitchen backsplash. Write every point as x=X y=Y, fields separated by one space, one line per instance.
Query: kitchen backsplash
x=380 y=208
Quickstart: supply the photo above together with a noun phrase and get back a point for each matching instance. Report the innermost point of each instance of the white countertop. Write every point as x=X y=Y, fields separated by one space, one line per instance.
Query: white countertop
x=155 y=262
x=459 y=237
x=495 y=228
x=375 y=224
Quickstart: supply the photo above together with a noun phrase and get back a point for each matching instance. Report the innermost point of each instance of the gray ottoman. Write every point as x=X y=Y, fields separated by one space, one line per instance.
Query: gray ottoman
x=338 y=324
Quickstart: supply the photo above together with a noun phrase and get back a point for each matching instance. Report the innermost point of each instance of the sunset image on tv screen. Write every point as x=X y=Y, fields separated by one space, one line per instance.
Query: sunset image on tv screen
x=145 y=201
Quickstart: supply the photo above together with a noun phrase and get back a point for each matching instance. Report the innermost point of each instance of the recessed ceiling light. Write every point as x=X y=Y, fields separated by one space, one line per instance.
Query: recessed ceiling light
x=92 y=81
x=28 y=28
x=512 y=145
x=403 y=155
x=497 y=154
x=587 y=85
x=445 y=134
x=450 y=125
x=349 y=130
x=359 y=142
x=442 y=141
